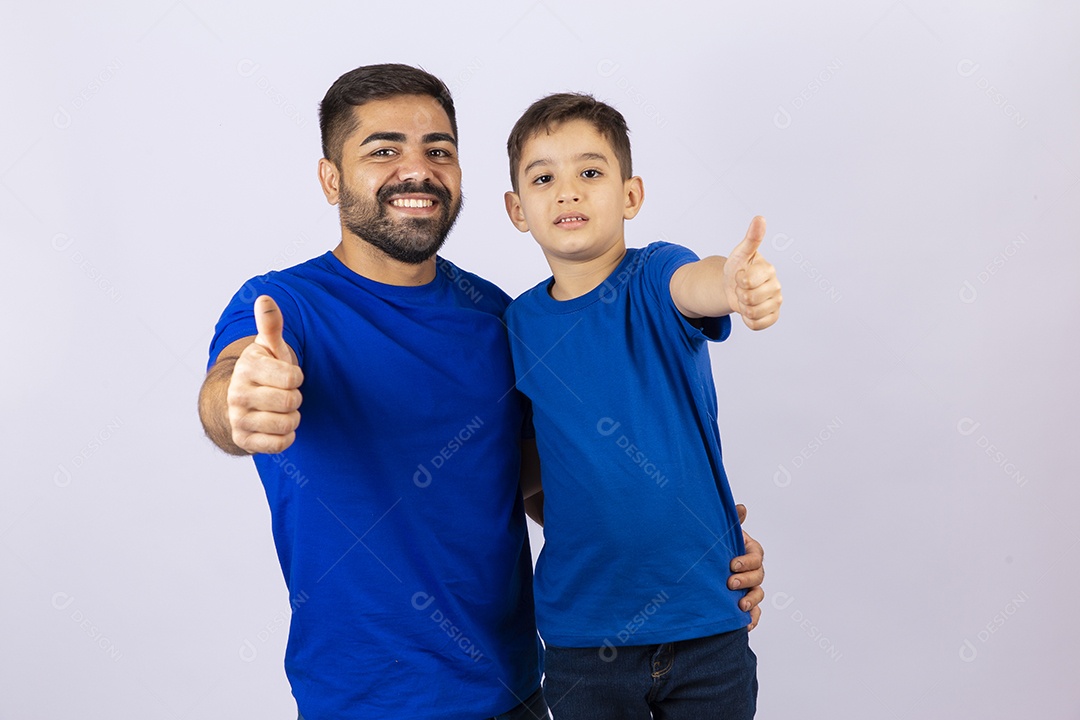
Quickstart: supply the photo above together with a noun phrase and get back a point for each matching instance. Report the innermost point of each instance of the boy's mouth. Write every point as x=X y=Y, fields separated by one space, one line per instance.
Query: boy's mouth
x=571 y=220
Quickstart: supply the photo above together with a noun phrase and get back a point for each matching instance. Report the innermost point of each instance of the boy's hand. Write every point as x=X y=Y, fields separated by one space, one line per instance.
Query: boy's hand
x=750 y=282
x=749 y=572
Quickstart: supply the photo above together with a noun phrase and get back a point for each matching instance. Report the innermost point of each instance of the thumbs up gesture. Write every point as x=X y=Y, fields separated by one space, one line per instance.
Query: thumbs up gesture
x=750 y=283
x=263 y=397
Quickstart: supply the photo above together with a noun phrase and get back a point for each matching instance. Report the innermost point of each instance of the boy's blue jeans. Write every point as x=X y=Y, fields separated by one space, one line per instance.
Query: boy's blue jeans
x=710 y=677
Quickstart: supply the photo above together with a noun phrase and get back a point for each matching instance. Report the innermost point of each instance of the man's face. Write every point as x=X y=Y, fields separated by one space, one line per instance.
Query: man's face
x=400 y=187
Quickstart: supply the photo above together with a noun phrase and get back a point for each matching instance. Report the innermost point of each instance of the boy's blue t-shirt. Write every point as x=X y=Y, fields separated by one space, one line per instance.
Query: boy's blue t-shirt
x=396 y=512
x=639 y=523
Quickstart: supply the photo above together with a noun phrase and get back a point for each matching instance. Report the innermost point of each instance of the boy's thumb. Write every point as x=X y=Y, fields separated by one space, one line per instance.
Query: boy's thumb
x=747 y=249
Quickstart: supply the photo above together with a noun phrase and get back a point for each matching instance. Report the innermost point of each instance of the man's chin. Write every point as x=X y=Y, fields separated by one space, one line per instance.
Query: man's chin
x=408 y=254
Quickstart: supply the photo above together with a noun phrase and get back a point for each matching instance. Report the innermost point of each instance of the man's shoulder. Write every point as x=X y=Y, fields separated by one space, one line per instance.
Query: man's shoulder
x=292 y=277
x=480 y=291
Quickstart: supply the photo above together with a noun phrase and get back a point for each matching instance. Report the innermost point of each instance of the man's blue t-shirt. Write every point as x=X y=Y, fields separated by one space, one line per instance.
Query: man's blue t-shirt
x=396 y=512
x=639 y=523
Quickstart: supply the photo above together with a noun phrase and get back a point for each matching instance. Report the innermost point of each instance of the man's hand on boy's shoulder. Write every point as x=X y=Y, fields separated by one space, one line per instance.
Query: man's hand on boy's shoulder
x=748 y=571
x=744 y=283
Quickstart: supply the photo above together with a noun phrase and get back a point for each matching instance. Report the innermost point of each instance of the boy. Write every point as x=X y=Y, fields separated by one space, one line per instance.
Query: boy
x=640 y=526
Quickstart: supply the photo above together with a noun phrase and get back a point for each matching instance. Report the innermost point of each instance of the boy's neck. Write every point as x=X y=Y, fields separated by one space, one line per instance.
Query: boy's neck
x=574 y=278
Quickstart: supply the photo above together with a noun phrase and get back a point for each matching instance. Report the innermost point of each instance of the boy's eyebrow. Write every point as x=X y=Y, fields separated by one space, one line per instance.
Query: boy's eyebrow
x=400 y=137
x=582 y=156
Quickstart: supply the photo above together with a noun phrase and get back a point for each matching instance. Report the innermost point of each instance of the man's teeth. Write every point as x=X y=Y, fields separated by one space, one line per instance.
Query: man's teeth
x=572 y=219
x=412 y=203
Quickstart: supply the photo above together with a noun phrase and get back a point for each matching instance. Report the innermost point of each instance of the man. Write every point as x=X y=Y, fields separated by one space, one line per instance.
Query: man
x=396 y=510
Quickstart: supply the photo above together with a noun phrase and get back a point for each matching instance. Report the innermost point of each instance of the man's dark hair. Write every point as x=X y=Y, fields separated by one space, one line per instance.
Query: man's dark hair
x=546 y=113
x=373 y=82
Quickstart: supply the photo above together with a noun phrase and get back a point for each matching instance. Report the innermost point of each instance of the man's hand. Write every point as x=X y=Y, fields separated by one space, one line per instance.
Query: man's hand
x=750 y=283
x=749 y=572
x=263 y=399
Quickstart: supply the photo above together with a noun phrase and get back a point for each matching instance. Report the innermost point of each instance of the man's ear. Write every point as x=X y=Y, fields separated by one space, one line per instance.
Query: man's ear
x=635 y=196
x=513 y=209
x=330 y=180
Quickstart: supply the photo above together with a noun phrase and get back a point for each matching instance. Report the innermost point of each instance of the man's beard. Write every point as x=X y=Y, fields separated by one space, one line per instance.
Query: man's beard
x=408 y=240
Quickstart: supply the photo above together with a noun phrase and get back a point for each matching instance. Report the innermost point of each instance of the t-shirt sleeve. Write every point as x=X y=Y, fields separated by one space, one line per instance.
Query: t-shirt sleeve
x=662 y=261
x=238 y=319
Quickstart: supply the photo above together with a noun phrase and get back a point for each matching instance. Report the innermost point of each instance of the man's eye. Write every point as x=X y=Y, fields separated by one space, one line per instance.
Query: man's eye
x=591 y=173
x=440 y=152
x=383 y=152
x=542 y=180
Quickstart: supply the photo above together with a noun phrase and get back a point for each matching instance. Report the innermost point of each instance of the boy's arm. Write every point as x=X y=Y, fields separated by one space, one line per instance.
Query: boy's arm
x=744 y=283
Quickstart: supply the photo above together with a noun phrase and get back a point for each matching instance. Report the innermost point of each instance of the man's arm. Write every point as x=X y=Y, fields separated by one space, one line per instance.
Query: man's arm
x=748 y=571
x=744 y=283
x=249 y=402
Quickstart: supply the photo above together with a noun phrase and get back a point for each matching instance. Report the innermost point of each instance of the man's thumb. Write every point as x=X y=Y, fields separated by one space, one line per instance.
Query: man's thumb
x=746 y=250
x=269 y=323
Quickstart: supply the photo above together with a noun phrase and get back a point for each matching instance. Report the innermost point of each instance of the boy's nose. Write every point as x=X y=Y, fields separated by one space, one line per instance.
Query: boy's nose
x=569 y=194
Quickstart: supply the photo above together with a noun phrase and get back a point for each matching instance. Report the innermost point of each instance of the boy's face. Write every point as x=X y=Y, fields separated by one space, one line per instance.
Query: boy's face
x=571 y=195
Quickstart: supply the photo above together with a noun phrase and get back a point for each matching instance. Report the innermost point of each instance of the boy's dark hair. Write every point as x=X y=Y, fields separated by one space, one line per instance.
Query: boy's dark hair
x=546 y=113
x=373 y=82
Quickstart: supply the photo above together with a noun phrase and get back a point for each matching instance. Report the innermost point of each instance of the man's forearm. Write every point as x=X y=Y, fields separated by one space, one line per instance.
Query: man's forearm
x=214 y=408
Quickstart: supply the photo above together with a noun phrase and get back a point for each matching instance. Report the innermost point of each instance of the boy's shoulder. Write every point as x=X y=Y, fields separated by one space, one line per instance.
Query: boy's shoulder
x=530 y=298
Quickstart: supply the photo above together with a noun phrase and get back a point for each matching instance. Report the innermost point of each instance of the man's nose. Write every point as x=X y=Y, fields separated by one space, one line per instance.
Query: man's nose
x=414 y=167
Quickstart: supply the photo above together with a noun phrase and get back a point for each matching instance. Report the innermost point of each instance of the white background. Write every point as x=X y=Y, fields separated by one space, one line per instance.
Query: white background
x=905 y=437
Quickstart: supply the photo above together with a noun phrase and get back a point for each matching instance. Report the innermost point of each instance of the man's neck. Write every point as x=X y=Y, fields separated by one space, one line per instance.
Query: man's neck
x=576 y=278
x=369 y=261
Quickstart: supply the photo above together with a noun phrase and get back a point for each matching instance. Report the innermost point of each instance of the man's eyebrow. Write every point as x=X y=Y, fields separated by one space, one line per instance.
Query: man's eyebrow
x=388 y=136
x=401 y=137
x=440 y=137
x=582 y=156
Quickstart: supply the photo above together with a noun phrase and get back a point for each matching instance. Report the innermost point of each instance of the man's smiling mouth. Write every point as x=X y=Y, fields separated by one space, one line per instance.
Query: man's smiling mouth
x=412 y=202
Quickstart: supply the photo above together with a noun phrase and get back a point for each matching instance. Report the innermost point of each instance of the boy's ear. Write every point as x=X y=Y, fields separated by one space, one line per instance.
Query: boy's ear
x=635 y=196
x=513 y=209
x=330 y=181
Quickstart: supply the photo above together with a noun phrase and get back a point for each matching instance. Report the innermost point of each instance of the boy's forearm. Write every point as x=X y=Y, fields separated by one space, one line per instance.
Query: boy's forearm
x=699 y=289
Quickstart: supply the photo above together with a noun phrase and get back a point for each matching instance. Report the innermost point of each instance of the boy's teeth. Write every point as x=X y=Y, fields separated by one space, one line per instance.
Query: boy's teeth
x=412 y=203
x=570 y=219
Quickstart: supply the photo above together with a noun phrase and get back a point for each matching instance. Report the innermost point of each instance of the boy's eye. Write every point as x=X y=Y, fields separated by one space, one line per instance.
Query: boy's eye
x=542 y=179
x=591 y=173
